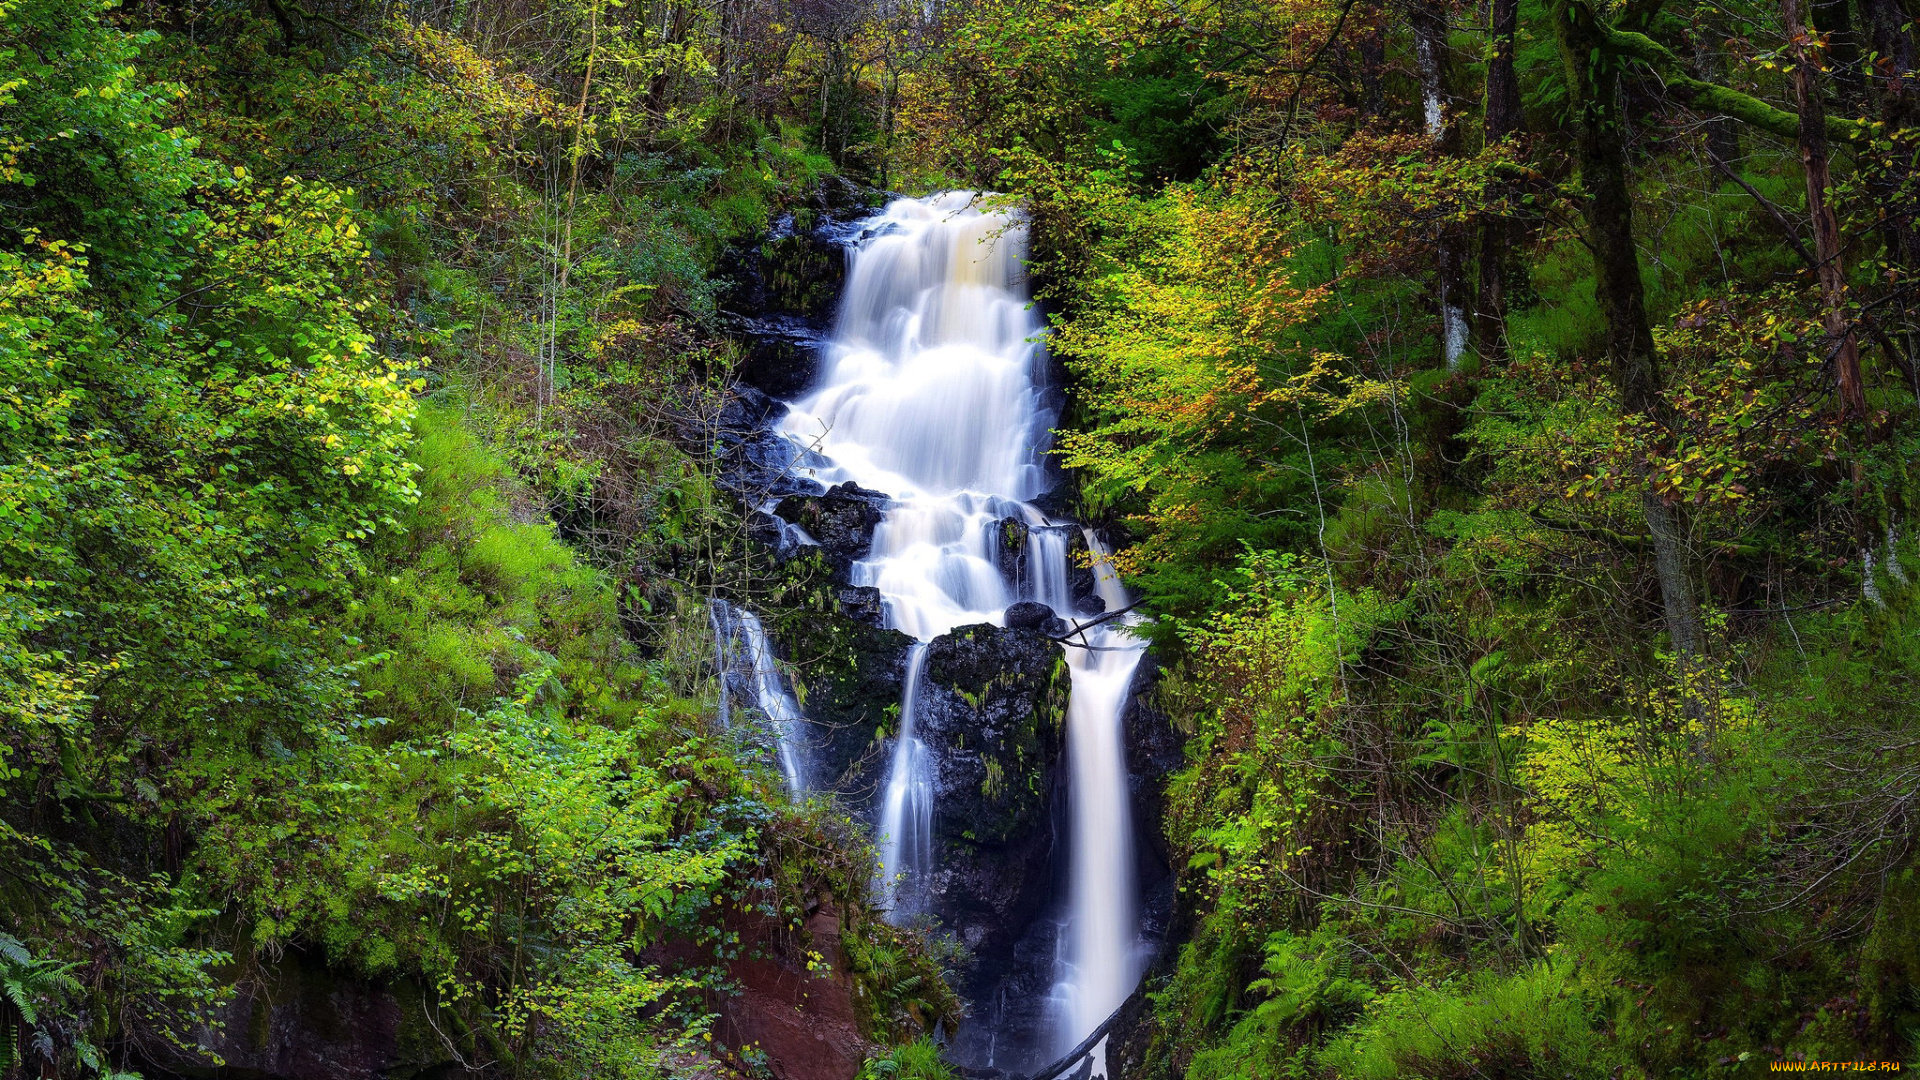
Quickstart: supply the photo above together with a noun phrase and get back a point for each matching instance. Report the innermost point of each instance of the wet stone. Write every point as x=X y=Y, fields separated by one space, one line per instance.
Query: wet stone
x=841 y=521
x=1012 y=549
x=746 y=410
x=1029 y=615
x=1080 y=577
x=861 y=603
x=760 y=466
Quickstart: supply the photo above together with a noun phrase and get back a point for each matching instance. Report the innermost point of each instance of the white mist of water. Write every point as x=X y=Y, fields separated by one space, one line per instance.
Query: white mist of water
x=931 y=392
x=741 y=641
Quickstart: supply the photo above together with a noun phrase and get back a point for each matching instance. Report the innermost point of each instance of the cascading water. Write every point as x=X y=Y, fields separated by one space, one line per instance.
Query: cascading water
x=931 y=391
x=741 y=644
x=1100 y=961
x=906 y=808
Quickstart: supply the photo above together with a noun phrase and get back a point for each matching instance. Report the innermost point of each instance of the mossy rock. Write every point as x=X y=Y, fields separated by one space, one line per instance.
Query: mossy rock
x=848 y=676
x=992 y=711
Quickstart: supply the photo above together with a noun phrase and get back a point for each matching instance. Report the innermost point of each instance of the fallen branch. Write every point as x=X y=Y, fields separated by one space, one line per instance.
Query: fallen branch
x=1078 y=629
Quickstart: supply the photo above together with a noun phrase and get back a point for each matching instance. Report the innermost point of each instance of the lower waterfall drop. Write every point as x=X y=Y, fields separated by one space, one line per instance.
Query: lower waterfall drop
x=1100 y=962
x=906 y=808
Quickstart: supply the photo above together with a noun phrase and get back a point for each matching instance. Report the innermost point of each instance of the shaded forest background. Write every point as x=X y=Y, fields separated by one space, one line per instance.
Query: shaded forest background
x=1506 y=410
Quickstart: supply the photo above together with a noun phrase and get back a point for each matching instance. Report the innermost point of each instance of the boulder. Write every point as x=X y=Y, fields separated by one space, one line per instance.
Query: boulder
x=763 y=465
x=991 y=711
x=781 y=354
x=746 y=410
x=769 y=532
x=1012 y=549
x=796 y=269
x=841 y=521
x=861 y=603
x=1029 y=615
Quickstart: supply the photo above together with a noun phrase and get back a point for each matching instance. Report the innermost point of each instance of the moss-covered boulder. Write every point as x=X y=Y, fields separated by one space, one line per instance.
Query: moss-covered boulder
x=993 y=712
x=841 y=521
x=992 y=709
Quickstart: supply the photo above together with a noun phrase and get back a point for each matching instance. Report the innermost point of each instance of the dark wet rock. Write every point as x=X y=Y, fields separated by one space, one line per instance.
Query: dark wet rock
x=1155 y=751
x=768 y=531
x=1012 y=1018
x=780 y=354
x=841 y=521
x=802 y=268
x=295 y=1019
x=840 y=196
x=1137 y=1046
x=992 y=711
x=757 y=463
x=848 y=676
x=1060 y=501
x=1012 y=549
x=861 y=603
x=763 y=465
x=1029 y=615
x=799 y=265
x=746 y=410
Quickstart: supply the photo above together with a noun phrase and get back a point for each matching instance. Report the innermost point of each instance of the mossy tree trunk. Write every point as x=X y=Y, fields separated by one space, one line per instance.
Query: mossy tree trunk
x=1593 y=75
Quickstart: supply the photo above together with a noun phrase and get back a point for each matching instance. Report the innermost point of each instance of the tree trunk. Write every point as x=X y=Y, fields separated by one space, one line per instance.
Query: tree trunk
x=1829 y=258
x=1430 y=48
x=1503 y=118
x=1891 y=76
x=1593 y=75
x=1833 y=18
x=1723 y=137
x=1893 y=46
x=1373 y=60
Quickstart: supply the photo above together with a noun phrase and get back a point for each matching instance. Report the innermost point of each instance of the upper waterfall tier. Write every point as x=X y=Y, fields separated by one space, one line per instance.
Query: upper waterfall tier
x=930 y=386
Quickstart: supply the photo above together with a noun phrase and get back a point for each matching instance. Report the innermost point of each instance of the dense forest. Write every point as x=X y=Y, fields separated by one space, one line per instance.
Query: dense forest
x=1502 y=414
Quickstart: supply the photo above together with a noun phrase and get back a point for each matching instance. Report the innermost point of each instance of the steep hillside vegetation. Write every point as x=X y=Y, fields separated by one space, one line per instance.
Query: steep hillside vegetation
x=357 y=534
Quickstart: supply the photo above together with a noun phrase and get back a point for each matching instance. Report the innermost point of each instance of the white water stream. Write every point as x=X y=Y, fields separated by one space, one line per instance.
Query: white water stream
x=740 y=643
x=931 y=392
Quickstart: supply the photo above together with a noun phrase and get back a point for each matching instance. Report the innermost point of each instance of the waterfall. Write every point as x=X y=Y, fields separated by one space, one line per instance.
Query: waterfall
x=906 y=809
x=1099 y=962
x=740 y=643
x=931 y=391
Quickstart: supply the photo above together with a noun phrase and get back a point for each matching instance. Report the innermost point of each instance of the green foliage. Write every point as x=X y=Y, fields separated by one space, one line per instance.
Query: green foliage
x=1452 y=807
x=916 y=1060
x=901 y=991
x=1527 y=1025
x=289 y=660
